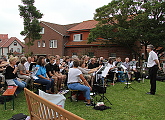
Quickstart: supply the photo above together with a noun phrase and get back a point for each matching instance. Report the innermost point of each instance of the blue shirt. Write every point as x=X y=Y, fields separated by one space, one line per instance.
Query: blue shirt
x=41 y=71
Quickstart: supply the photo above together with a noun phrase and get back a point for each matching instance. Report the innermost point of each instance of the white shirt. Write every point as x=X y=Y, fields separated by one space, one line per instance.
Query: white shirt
x=110 y=65
x=152 y=56
x=27 y=65
x=74 y=75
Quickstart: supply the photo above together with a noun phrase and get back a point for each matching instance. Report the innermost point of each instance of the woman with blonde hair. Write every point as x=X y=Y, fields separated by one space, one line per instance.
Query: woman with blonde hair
x=11 y=75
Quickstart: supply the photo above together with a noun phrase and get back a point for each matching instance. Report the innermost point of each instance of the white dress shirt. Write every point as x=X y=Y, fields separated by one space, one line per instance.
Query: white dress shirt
x=152 y=56
x=27 y=65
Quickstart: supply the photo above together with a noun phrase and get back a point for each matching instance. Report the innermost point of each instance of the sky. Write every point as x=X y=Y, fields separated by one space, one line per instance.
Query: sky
x=55 y=11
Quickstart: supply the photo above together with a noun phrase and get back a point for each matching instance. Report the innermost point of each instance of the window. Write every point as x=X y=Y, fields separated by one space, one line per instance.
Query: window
x=91 y=54
x=42 y=32
x=11 y=50
x=43 y=43
x=18 y=50
x=74 y=53
x=53 y=43
x=39 y=44
x=15 y=43
x=77 y=37
x=112 y=55
x=0 y=40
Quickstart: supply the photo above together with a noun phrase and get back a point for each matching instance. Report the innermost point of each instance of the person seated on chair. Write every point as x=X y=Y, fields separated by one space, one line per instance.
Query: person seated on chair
x=22 y=73
x=87 y=73
x=27 y=64
x=112 y=69
x=119 y=69
x=93 y=64
x=58 y=74
x=74 y=77
x=32 y=64
x=100 y=61
x=133 y=67
x=3 y=65
x=127 y=65
x=11 y=75
x=50 y=70
x=42 y=76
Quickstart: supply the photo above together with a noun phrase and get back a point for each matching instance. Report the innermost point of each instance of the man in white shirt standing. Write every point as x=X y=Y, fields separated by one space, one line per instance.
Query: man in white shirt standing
x=153 y=65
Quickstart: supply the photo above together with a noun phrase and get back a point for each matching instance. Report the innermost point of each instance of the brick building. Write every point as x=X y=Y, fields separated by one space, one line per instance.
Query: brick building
x=54 y=37
x=78 y=43
x=72 y=40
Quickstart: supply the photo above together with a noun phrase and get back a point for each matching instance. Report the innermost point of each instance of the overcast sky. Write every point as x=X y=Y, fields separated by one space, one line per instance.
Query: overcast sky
x=55 y=11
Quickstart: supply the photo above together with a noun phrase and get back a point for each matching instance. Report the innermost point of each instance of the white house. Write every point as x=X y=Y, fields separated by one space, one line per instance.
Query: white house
x=10 y=46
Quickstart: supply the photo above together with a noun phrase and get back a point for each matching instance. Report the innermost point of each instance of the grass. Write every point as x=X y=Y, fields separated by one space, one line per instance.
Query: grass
x=128 y=104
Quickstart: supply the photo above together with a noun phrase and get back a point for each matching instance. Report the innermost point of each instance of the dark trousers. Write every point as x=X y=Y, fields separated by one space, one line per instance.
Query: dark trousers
x=152 y=74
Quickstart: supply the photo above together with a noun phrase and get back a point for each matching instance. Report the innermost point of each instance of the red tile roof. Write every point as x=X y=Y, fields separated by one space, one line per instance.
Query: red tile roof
x=61 y=29
x=85 y=25
x=8 y=42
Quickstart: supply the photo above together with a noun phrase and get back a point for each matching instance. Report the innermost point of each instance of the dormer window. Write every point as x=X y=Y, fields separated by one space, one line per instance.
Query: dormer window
x=15 y=43
x=77 y=37
x=42 y=32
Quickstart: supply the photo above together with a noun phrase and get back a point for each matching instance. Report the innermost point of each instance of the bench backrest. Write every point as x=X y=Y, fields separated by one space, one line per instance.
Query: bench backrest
x=41 y=109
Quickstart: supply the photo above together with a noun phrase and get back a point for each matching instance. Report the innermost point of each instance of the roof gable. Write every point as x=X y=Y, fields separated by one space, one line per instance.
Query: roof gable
x=60 y=29
x=85 y=25
x=8 y=42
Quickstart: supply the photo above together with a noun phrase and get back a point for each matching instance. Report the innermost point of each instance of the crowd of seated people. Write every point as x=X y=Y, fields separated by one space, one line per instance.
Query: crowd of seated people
x=53 y=71
x=124 y=70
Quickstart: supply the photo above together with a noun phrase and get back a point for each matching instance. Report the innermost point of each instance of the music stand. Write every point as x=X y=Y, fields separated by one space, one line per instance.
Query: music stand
x=101 y=90
x=128 y=85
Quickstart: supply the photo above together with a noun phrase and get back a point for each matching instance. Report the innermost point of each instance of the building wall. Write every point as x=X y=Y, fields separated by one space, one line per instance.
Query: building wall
x=100 y=51
x=5 y=51
x=85 y=35
x=48 y=35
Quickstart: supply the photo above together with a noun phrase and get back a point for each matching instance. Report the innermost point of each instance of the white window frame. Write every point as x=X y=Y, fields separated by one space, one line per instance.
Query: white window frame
x=112 y=55
x=53 y=43
x=15 y=43
x=43 y=30
x=18 y=50
x=43 y=43
x=77 y=37
x=11 y=50
x=39 y=44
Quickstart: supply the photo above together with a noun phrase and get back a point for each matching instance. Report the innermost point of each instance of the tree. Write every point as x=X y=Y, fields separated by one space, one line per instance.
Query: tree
x=31 y=23
x=151 y=23
x=125 y=22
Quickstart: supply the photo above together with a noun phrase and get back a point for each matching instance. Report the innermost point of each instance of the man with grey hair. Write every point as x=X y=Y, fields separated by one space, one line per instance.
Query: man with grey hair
x=153 y=65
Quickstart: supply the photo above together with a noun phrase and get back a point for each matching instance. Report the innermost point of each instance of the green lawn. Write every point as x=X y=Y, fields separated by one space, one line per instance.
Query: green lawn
x=128 y=104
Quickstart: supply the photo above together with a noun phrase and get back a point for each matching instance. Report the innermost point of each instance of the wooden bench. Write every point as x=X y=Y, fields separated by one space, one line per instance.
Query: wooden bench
x=9 y=92
x=41 y=109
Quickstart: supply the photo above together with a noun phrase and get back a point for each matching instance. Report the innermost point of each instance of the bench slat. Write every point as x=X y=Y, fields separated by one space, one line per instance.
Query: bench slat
x=10 y=91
